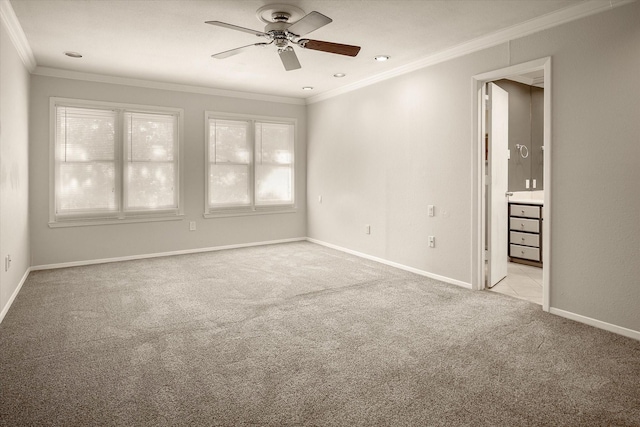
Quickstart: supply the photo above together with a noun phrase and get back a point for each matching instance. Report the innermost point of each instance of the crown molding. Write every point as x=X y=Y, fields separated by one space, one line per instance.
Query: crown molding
x=102 y=78
x=17 y=36
x=544 y=22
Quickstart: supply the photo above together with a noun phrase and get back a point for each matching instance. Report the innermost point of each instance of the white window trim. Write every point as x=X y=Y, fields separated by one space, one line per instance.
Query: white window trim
x=120 y=217
x=252 y=209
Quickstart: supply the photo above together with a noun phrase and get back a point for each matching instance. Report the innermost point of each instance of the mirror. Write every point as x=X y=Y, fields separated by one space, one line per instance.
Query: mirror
x=526 y=115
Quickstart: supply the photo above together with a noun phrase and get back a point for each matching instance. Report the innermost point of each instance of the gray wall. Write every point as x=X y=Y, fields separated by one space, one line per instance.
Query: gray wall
x=536 y=155
x=14 y=169
x=526 y=114
x=381 y=154
x=72 y=244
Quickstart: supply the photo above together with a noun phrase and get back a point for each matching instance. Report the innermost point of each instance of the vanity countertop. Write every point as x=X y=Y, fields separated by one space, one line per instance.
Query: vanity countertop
x=528 y=197
x=538 y=202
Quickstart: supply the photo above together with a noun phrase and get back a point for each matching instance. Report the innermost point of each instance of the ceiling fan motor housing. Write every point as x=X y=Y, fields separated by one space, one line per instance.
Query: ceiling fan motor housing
x=278 y=29
x=280 y=26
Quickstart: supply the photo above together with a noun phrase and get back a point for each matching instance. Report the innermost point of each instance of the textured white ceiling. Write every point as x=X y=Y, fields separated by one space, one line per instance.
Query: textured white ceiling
x=167 y=40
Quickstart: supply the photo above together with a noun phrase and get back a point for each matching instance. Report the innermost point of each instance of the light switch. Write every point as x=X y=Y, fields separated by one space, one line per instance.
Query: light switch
x=526 y=183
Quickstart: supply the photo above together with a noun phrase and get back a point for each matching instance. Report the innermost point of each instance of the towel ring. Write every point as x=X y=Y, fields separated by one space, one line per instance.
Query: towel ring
x=524 y=151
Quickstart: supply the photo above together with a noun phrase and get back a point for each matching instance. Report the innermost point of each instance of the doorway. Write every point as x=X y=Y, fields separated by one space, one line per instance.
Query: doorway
x=496 y=217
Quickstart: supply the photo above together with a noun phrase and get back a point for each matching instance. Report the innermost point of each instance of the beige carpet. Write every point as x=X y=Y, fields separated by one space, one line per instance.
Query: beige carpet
x=298 y=334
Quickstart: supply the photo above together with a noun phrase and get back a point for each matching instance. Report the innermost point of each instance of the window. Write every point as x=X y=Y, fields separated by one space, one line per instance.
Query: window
x=114 y=162
x=250 y=164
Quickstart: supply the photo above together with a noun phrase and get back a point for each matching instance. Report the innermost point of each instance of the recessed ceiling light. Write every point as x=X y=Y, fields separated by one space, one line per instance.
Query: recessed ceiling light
x=307 y=88
x=339 y=75
x=381 y=58
x=73 y=54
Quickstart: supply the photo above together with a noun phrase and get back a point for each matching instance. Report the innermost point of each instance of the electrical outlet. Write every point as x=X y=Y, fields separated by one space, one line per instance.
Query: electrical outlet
x=431 y=210
x=7 y=263
x=432 y=242
x=192 y=226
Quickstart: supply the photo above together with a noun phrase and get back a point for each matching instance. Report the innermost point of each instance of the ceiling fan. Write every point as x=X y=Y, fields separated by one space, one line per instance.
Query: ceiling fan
x=282 y=33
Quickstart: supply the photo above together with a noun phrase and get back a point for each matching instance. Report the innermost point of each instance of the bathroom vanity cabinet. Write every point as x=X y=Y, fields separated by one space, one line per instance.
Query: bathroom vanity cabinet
x=525 y=233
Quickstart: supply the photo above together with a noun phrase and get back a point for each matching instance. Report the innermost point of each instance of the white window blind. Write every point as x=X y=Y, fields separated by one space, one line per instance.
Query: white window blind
x=229 y=163
x=151 y=161
x=274 y=163
x=85 y=160
x=251 y=164
x=113 y=162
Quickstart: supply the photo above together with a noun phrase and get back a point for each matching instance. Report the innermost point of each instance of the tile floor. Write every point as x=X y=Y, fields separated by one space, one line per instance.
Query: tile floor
x=522 y=281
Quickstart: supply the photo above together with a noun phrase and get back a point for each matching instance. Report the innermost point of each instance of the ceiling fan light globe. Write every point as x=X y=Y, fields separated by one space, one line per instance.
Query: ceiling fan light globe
x=281 y=43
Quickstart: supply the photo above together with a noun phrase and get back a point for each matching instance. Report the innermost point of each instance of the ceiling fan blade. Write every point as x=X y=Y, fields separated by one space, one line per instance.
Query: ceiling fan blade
x=228 y=53
x=235 y=27
x=308 y=23
x=340 y=49
x=289 y=59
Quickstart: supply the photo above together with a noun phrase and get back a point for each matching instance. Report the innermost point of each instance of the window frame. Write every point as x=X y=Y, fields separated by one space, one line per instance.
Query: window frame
x=252 y=208
x=121 y=214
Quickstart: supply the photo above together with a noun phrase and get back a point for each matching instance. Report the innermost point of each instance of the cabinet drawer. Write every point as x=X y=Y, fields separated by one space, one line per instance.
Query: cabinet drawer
x=525 y=239
x=525 y=211
x=521 y=224
x=525 y=252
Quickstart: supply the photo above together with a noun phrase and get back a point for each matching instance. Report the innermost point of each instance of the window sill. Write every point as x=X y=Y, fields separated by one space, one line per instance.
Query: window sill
x=110 y=221
x=223 y=213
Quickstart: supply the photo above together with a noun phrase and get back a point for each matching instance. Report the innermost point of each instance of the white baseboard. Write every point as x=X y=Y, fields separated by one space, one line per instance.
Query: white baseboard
x=393 y=264
x=162 y=254
x=5 y=309
x=629 y=333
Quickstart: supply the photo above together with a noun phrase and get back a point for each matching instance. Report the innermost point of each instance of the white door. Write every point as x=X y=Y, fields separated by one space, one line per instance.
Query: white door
x=498 y=131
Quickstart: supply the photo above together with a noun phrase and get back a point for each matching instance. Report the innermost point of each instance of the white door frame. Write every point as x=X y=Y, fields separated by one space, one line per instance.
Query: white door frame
x=478 y=175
